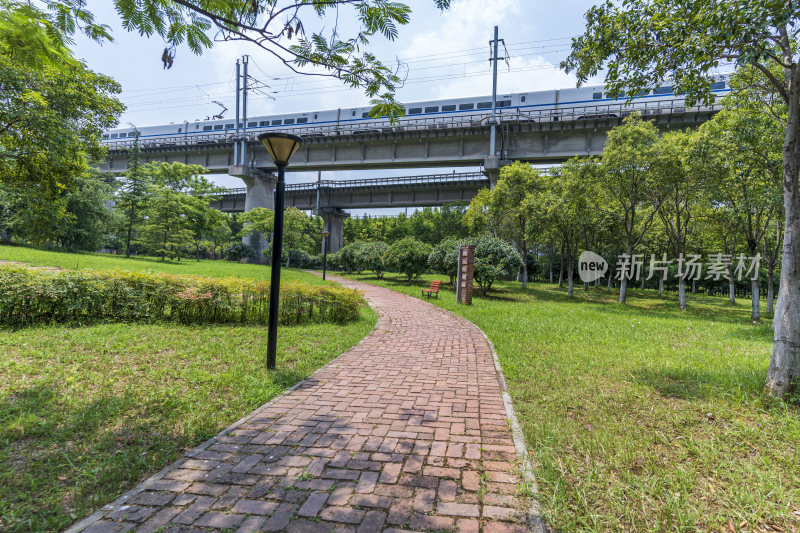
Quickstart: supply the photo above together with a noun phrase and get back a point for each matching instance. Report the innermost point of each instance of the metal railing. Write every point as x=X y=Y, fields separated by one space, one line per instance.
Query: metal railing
x=373 y=183
x=410 y=123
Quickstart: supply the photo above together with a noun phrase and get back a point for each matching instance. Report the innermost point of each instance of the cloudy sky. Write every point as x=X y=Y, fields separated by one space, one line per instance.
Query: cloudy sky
x=446 y=55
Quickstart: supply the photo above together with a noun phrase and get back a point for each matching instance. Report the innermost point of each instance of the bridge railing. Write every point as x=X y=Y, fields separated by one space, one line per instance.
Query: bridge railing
x=410 y=123
x=465 y=178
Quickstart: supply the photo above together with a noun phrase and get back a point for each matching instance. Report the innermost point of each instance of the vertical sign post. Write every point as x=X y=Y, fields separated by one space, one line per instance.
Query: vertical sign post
x=466 y=269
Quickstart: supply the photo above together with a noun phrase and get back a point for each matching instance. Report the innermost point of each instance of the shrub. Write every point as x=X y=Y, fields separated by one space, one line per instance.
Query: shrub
x=237 y=251
x=350 y=257
x=31 y=296
x=370 y=257
x=299 y=259
x=494 y=258
x=407 y=256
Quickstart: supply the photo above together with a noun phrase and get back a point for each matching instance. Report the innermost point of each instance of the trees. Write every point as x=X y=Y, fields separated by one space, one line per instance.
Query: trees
x=132 y=193
x=626 y=175
x=276 y=26
x=568 y=208
x=494 y=258
x=407 y=256
x=641 y=43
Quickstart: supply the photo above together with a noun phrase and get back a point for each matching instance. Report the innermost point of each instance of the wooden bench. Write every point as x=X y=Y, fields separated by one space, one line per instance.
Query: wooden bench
x=433 y=289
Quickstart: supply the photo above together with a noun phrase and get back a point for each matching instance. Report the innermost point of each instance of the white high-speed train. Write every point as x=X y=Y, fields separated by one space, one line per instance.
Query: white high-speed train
x=583 y=102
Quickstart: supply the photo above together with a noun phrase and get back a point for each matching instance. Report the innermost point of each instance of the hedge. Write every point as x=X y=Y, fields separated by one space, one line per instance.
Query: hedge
x=31 y=296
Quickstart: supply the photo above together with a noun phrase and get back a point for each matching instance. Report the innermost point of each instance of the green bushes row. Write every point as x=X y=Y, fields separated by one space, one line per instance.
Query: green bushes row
x=31 y=296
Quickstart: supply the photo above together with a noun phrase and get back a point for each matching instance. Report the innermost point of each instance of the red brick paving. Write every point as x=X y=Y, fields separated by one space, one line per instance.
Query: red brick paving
x=406 y=431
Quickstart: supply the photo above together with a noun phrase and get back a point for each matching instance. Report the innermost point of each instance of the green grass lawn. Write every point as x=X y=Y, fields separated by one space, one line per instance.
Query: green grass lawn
x=641 y=417
x=214 y=269
x=87 y=412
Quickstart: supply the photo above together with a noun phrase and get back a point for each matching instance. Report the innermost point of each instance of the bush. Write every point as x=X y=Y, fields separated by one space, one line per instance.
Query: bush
x=407 y=256
x=299 y=259
x=350 y=257
x=32 y=296
x=237 y=251
x=494 y=258
x=370 y=257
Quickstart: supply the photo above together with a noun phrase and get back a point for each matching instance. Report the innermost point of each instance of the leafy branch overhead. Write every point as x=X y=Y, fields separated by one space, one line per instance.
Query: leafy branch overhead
x=276 y=26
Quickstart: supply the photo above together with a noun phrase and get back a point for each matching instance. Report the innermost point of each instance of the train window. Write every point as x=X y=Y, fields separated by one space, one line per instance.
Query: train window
x=432 y=109
x=414 y=111
x=466 y=107
x=597 y=96
x=263 y=123
x=522 y=99
x=446 y=108
x=113 y=135
x=302 y=120
x=105 y=136
x=352 y=113
x=197 y=126
x=315 y=116
x=179 y=130
x=484 y=105
x=621 y=94
x=218 y=126
x=663 y=90
x=288 y=121
x=252 y=124
x=277 y=122
x=503 y=103
x=206 y=128
x=643 y=92
x=718 y=86
x=365 y=114
x=229 y=126
x=123 y=134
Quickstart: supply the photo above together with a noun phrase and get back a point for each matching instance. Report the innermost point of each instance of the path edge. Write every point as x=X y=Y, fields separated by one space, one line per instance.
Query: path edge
x=535 y=521
x=144 y=485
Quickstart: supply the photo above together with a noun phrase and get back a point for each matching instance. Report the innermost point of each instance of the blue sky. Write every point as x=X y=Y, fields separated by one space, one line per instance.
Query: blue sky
x=446 y=55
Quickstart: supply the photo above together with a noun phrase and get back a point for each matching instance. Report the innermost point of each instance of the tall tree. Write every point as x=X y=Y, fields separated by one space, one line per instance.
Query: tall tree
x=132 y=194
x=627 y=177
x=640 y=43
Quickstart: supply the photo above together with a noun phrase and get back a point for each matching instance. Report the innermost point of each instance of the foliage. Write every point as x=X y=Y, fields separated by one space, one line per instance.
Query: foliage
x=35 y=296
x=407 y=256
x=236 y=251
x=430 y=225
x=348 y=258
x=52 y=110
x=370 y=257
x=277 y=27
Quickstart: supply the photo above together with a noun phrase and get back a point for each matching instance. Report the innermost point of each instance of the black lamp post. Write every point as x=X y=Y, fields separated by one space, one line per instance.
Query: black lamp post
x=325 y=235
x=281 y=146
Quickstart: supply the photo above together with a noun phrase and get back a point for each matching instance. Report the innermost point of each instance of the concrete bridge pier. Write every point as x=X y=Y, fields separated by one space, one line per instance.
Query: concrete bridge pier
x=333 y=221
x=260 y=193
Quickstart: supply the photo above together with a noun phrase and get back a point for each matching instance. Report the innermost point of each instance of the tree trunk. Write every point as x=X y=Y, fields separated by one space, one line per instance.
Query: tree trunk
x=642 y=284
x=770 y=289
x=551 y=266
x=623 y=289
x=660 y=286
x=561 y=268
x=783 y=375
x=524 y=265
x=608 y=285
x=682 y=294
x=571 y=284
x=694 y=286
x=755 y=314
x=731 y=287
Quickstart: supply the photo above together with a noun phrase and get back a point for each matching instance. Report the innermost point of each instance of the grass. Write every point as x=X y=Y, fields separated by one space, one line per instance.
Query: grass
x=88 y=412
x=214 y=269
x=641 y=417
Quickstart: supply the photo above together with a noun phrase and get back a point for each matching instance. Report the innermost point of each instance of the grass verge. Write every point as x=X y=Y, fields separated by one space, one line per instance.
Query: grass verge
x=641 y=417
x=95 y=261
x=88 y=412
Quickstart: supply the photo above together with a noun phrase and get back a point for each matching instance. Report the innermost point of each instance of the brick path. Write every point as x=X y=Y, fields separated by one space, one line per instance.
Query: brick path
x=406 y=431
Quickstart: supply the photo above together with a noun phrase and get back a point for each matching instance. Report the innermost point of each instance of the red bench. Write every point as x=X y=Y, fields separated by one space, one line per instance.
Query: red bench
x=433 y=289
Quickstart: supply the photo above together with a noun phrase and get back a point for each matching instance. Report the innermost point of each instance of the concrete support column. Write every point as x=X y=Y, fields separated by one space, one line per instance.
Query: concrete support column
x=260 y=193
x=491 y=167
x=333 y=221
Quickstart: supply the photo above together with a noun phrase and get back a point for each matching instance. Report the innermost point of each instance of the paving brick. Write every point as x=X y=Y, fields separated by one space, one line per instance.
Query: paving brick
x=366 y=483
x=431 y=523
x=447 y=490
x=258 y=507
x=313 y=504
x=348 y=515
x=279 y=519
x=470 y=480
x=458 y=509
x=219 y=520
x=468 y=525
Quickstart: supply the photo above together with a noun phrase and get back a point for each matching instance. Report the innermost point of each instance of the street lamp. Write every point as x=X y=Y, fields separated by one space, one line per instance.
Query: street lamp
x=325 y=235
x=281 y=146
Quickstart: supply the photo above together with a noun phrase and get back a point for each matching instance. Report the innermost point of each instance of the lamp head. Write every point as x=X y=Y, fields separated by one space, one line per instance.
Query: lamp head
x=326 y=234
x=281 y=146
